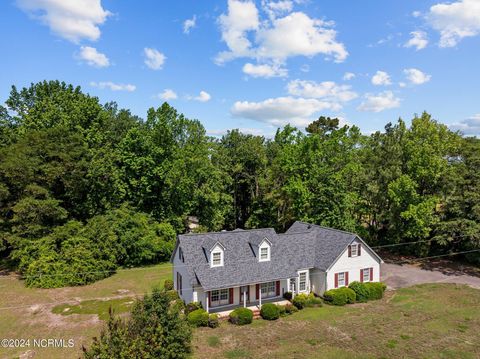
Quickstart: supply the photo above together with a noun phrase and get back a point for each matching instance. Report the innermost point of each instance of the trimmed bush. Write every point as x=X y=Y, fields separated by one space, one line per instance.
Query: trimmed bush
x=375 y=290
x=270 y=311
x=300 y=301
x=168 y=284
x=213 y=321
x=282 y=311
x=288 y=296
x=306 y=300
x=190 y=307
x=241 y=316
x=361 y=291
x=340 y=296
x=198 y=318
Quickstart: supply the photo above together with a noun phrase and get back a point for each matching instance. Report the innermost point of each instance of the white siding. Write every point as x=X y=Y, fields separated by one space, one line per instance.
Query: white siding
x=187 y=289
x=317 y=280
x=352 y=265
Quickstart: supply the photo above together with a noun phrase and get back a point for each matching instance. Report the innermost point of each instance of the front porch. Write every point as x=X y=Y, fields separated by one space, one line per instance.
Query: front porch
x=254 y=306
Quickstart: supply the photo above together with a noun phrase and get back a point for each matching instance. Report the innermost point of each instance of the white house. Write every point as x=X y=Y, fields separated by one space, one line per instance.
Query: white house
x=245 y=267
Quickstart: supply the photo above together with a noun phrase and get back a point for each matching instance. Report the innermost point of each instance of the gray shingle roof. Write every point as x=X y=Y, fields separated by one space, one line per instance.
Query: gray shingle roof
x=302 y=246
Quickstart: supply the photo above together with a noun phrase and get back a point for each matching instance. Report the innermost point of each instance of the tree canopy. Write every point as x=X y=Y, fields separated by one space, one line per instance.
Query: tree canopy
x=88 y=185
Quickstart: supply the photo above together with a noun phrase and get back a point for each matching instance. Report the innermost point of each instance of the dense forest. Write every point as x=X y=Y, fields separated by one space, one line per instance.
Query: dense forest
x=86 y=187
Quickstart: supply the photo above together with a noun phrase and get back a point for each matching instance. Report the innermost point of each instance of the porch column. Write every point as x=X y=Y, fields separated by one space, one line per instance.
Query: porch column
x=260 y=296
x=206 y=300
x=244 y=298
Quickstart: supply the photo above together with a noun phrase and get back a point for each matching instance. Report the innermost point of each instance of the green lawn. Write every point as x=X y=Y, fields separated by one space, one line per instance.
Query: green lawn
x=426 y=321
x=73 y=312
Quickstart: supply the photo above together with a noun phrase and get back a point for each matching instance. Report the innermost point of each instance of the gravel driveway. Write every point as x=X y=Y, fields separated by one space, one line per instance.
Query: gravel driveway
x=405 y=275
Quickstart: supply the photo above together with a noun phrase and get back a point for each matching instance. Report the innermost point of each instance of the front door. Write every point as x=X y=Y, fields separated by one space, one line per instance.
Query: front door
x=245 y=290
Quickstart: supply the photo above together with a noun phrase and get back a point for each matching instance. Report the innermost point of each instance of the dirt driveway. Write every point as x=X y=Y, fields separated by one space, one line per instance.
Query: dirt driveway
x=405 y=275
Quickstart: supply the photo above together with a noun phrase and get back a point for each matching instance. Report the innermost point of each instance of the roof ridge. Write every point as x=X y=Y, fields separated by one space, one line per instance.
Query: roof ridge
x=328 y=228
x=232 y=231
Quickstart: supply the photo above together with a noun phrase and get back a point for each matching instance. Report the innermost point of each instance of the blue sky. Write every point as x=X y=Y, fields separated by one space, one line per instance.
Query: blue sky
x=255 y=65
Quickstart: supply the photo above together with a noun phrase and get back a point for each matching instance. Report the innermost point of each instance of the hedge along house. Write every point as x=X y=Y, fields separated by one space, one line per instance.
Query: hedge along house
x=223 y=270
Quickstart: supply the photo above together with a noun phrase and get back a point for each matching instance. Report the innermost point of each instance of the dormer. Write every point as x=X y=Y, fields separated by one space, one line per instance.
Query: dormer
x=217 y=254
x=264 y=250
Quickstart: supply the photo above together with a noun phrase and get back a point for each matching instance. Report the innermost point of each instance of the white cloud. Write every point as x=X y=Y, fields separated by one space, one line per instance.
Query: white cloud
x=327 y=90
x=189 y=24
x=470 y=126
x=417 y=77
x=168 y=94
x=305 y=68
x=381 y=78
x=418 y=40
x=282 y=110
x=348 y=76
x=379 y=102
x=277 y=8
x=203 y=96
x=73 y=20
x=92 y=57
x=416 y=14
x=154 y=59
x=113 y=86
x=277 y=38
x=241 y=17
x=265 y=70
x=455 y=20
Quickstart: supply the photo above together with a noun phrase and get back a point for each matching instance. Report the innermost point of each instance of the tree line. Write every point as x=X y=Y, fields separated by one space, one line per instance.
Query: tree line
x=89 y=187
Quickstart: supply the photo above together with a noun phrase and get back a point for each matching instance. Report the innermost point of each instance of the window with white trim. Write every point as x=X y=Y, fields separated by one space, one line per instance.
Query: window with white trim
x=366 y=275
x=302 y=281
x=219 y=297
x=268 y=289
x=264 y=252
x=217 y=258
x=341 y=279
x=354 y=250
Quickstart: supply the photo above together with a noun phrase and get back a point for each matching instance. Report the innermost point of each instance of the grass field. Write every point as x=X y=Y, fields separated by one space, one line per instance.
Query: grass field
x=426 y=321
x=69 y=312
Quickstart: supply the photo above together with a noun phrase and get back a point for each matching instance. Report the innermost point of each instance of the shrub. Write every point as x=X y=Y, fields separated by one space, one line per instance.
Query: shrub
x=241 y=316
x=282 y=311
x=168 y=284
x=198 y=318
x=375 y=290
x=172 y=294
x=306 y=300
x=213 y=321
x=190 y=307
x=270 y=311
x=361 y=291
x=340 y=296
x=154 y=330
x=300 y=301
x=287 y=296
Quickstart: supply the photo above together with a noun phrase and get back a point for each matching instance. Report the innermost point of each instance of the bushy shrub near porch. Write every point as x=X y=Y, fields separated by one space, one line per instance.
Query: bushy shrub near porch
x=241 y=316
x=375 y=290
x=340 y=296
x=287 y=309
x=198 y=318
x=306 y=300
x=270 y=311
x=361 y=290
x=190 y=307
x=288 y=296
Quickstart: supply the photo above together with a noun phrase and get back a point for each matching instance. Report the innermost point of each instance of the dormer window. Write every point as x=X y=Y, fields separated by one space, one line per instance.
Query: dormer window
x=354 y=250
x=216 y=256
x=264 y=251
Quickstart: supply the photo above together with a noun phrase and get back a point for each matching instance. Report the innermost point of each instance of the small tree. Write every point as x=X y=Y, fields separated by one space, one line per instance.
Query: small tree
x=156 y=329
